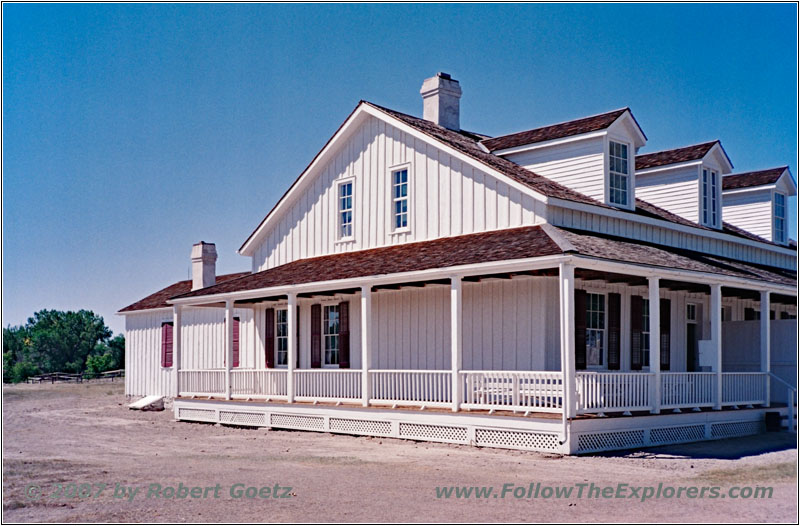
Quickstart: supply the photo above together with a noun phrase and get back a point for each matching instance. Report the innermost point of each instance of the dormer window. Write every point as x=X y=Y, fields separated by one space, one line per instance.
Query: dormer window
x=618 y=173
x=710 y=198
x=779 y=211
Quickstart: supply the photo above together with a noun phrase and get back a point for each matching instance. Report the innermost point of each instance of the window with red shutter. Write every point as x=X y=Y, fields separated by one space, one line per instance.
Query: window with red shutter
x=269 y=337
x=236 y=342
x=166 y=344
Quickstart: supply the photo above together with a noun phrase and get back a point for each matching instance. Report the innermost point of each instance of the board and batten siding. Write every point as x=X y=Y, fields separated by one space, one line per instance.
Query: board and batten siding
x=751 y=211
x=447 y=198
x=203 y=342
x=578 y=165
x=674 y=190
x=614 y=226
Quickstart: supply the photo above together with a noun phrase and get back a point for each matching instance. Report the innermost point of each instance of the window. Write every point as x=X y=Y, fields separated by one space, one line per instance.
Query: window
x=346 y=210
x=691 y=312
x=780 y=218
x=166 y=344
x=281 y=337
x=400 y=198
x=330 y=334
x=710 y=198
x=595 y=328
x=646 y=333
x=618 y=173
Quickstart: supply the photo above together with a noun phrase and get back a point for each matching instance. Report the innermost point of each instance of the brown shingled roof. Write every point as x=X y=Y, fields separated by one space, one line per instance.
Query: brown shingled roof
x=555 y=131
x=498 y=245
x=158 y=300
x=514 y=243
x=674 y=156
x=759 y=178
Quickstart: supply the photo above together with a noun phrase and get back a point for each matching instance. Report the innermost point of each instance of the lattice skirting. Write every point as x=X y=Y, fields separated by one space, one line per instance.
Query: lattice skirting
x=468 y=431
x=657 y=436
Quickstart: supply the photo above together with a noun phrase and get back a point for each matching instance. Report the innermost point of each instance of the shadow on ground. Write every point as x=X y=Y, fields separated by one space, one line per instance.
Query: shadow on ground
x=728 y=449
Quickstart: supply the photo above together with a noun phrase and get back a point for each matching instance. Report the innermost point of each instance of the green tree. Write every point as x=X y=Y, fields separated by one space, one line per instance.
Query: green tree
x=62 y=341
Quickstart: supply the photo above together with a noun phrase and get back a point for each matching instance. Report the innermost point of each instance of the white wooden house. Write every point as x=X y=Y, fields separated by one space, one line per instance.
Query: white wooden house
x=548 y=290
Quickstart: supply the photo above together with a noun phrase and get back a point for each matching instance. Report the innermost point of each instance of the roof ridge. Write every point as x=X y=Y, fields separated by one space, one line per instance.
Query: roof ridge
x=568 y=121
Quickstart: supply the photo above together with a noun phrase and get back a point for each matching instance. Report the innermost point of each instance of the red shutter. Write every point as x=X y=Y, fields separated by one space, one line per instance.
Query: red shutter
x=166 y=344
x=269 y=337
x=236 y=342
x=297 y=339
x=316 y=328
x=344 y=335
x=665 y=318
x=580 y=329
x=637 y=316
x=614 y=331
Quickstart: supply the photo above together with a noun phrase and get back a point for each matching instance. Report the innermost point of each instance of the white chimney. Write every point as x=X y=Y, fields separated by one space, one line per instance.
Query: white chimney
x=204 y=265
x=440 y=96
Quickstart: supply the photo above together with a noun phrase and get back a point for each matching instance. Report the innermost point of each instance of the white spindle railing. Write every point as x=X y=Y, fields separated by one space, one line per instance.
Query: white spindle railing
x=599 y=392
x=744 y=388
x=540 y=391
x=404 y=387
x=262 y=383
x=327 y=384
x=205 y=382
x=682 y=390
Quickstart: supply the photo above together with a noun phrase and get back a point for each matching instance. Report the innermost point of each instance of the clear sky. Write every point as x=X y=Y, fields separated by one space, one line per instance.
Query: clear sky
x=132 y=131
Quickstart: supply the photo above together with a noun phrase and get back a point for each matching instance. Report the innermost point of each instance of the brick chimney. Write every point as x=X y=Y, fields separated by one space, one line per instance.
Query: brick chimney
x=204 y=265
x=440 y=101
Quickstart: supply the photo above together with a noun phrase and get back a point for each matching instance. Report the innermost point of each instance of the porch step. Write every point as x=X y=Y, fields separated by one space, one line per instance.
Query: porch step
x=148 y=403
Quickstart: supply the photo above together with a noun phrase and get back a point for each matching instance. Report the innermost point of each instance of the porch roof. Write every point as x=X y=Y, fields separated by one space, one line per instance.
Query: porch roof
x=487 y=247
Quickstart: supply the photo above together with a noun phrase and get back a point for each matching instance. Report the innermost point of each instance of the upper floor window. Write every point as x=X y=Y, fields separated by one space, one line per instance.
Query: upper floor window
x=710 y=198
x=618 y=173
x=780 y=218
x=400 y=199
x=346 y=210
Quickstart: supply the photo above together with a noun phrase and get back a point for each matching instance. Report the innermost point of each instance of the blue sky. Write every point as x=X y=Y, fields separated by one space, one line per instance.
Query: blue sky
x=133 y=131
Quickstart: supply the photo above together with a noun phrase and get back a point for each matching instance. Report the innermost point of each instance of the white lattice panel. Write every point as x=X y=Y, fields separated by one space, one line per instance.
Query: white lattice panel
x=516 y=439
x=675 y=435
x=735 y=429
x=360 y=427
x=197 y=415
x=610 y=440
x=433 y=432
x=242 y=418
x=314 y=423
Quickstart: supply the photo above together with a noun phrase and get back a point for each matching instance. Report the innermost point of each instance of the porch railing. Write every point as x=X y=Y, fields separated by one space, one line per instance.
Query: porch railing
x=261 y=384
x=515 y=390
x=600 y=391
x=688 y=390
x=201 y=382
x=744 y=388
x=327 y=384
x=414 y=388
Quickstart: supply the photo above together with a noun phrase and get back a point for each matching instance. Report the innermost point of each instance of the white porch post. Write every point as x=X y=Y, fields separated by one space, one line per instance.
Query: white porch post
x=765 y=342
x=291 y=347
x=566 y=280
x=716 y=338
x=176 y=350
x=366 y=335
x=455 y=339
x=228 y=346
x=654 y=315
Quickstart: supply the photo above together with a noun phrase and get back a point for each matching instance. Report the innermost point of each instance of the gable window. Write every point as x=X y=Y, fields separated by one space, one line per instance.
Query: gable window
x=595 y=329
x=281 y=337
x=618 y=173
x=400 y=199
x=646 y=333
x=780 y=218
x=346 y=210
x=710 y=198
x=330 y=334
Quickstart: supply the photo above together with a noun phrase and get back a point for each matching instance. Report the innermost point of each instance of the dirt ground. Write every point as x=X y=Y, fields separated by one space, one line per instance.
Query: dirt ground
x=84 y=434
